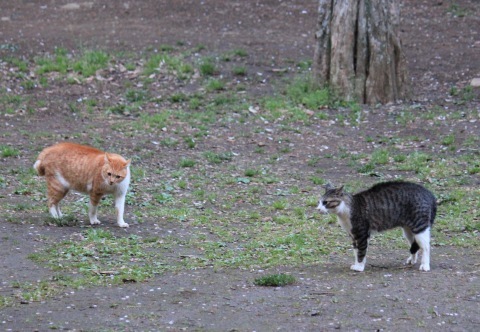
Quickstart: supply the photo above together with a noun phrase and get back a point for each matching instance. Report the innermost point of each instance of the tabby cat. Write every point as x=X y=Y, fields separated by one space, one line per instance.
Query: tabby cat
x=85 y=169
x=384 y=206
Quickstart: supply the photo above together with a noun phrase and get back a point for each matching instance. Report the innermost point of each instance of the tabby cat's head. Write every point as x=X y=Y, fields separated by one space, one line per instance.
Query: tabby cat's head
x=334 y=200
x=115 y=169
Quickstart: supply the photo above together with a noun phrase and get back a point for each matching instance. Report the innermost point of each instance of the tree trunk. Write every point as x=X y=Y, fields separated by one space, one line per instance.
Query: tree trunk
x=358 y=51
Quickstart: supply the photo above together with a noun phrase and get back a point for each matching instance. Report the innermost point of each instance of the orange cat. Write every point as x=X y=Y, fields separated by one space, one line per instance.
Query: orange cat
x=85 y=169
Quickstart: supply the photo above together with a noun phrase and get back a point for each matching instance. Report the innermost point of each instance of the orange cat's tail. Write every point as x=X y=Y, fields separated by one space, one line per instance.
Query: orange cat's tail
x=39 y=168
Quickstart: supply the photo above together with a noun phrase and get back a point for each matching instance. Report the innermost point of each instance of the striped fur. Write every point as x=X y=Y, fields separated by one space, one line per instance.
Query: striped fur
x=384 y=206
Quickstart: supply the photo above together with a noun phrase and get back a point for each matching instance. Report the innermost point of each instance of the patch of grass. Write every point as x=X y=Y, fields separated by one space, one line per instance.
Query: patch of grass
x=366 y=168
x=239 y=71
x=280 y=205
x=190 y=142
x=195 y=103
x=416 y=161
x=8 y=151
x=304 y=65
x=65 y=221
x=28 y=85
x=207 y=67
x=275 y=280
x=171 y=64
x=240 y=52
x=251 y=172
x=178 y=97
x=152 y=64
x=169 y=142
x=21 y=65
x=90 y=62
x=58 y=63
x=303 y=92
x=456 y=10
x=134 y=96
x=474 y=169
x=157 y=120
x=405 y=117
x=399 y=158
x=380 y=157
x=215 y=85
x=318 y=181
x=217 y=158
x=187 y=163
x=166 y=48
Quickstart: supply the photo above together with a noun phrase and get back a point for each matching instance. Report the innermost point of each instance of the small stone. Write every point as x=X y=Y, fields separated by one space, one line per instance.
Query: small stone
x=475 y=82
x=71 y=6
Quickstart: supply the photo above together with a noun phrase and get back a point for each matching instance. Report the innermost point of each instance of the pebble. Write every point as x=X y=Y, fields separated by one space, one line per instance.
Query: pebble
x=475 y=82
x=71 y=6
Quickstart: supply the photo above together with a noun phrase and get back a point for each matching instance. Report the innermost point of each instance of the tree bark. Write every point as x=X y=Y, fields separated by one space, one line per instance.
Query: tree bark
x=358 y=52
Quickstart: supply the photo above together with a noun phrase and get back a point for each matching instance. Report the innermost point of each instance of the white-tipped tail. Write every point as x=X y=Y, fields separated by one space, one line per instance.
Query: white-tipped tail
x=40 y=170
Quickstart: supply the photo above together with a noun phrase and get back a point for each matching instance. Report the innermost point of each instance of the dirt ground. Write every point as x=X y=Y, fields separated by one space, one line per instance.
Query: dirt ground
x=442 y=50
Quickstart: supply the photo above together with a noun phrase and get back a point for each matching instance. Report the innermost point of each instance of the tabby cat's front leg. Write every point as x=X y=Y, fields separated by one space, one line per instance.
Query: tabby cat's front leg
x=360 y=251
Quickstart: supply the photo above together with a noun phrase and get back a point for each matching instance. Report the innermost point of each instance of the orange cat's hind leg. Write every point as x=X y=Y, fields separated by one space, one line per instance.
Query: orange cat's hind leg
x=92 y=211
x=56 y=191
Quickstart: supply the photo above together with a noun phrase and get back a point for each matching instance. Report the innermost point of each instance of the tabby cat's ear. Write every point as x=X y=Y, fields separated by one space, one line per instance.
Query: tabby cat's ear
x=339 y=190
x=327 y=186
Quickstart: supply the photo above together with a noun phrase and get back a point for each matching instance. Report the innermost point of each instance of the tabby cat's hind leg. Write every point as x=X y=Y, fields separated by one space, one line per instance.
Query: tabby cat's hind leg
x=408 y=234
x=423 y=240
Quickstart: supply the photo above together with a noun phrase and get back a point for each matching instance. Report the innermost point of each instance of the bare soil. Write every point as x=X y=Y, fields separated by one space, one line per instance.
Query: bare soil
x=442 y=50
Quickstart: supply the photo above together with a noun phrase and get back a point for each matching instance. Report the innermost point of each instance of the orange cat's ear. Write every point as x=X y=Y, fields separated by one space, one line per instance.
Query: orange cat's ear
x=127 y=163
x=107 y=159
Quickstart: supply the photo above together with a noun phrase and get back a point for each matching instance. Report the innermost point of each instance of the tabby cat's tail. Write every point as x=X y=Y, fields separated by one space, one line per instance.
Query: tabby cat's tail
x=39 y=168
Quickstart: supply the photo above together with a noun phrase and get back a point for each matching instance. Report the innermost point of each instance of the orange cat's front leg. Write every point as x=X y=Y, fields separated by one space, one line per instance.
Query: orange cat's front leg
x=119 y=207
x=92 y=211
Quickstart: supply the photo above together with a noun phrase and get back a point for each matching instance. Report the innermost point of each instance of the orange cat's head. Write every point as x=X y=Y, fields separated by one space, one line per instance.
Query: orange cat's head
x=115 y=169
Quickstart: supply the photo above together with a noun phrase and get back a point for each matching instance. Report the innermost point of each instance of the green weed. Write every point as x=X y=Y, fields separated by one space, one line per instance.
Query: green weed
x=448 y=140
x=8 y=151
x=280 y=205
x=187 y=163
x=207 y=67
x=217 y=158
x=136 y=95
x=90 y=62
x=215 y=85
x=239 y=71
x=275 y=280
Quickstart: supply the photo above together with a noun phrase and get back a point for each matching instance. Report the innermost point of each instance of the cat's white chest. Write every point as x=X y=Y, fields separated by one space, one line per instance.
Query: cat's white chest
x=343 y=218
x=344 y=221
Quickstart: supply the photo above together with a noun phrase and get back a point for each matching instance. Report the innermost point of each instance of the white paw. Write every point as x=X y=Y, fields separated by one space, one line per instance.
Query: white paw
x=412 y=260
x=357 y=267
x=123 y=225
x=94 y=222
x=425 y=267
x=55 y=213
